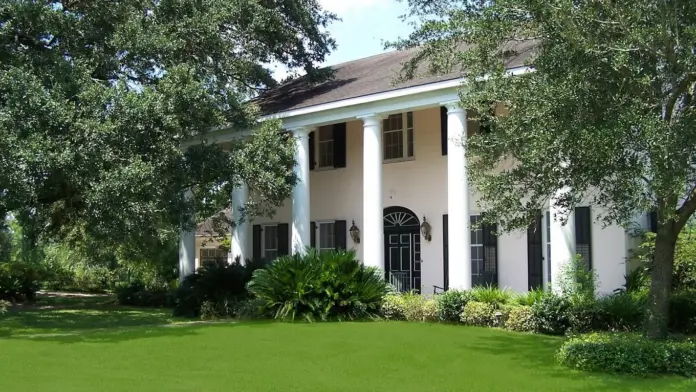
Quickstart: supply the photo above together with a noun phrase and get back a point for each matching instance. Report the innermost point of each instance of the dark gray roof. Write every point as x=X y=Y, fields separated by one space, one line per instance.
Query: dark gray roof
x=216 y=224
x=371 y=75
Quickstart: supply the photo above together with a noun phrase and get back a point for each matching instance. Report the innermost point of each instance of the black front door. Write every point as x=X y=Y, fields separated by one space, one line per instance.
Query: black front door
x=402 y=262
x=535 y=258
x=402 y=259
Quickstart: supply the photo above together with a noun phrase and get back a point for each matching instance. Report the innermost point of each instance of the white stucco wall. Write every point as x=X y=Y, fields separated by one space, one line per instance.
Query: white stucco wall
x=421 y=186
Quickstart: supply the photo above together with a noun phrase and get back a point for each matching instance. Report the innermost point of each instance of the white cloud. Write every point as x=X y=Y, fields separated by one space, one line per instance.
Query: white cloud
x=342 y=7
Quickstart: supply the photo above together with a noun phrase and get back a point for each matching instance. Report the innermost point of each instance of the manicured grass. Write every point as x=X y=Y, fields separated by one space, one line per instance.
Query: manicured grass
x=56 y=315
x=369 y=356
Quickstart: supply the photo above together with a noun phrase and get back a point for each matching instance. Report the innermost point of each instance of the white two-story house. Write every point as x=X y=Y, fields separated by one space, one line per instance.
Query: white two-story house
x=386 y=160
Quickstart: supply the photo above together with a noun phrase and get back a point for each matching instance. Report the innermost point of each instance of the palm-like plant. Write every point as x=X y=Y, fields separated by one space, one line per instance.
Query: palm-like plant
x=319 y=285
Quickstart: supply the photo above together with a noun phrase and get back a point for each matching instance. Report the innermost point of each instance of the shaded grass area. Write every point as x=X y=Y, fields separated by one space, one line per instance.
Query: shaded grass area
x=369 y=356
x=61 y=314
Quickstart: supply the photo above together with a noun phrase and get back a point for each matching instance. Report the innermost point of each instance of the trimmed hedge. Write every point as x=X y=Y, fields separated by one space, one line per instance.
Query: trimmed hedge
x=450 y=305
x=521 y=319
x=409 y=307
x=479 y=314
x=629 y=354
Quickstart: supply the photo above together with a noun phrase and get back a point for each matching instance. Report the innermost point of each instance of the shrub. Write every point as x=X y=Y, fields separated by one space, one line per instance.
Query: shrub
x=491 y=295
x=583 y=316
x=450 y=305
x=250 y=309
x=521 y=319
x=418 y=308
x=479 y=314
x=550 y=314
x=214 y=310
x=529 y=298
x=19 y=281
x=328 y=285
x=622 y=311
x=393 y=307
x=577 y=282
x=3 y=307
x=682 y=311
x=630 y=354
x=220 y=283
x=139 y=294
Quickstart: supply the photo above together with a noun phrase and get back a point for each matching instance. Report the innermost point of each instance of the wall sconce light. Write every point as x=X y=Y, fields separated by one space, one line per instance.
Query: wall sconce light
x=425 y=229
x=355 y=233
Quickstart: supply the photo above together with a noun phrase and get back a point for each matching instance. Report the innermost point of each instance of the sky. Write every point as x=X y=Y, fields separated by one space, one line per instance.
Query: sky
x=364 y=26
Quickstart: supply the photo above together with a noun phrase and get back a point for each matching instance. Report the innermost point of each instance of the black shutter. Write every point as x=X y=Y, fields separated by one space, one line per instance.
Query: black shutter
x=443 y=129
x=339 y=140
x=313 y=234
x=445 y=250
x=283 y=239
x=312 y=154
x=583 y=234
x=490 y=254
x=535 y=263
x=256 y=243
x=340 y=234
x=652 y=221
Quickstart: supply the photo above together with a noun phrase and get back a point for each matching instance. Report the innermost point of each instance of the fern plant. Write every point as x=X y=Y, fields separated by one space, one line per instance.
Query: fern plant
x=491 y=295
x=319 y=286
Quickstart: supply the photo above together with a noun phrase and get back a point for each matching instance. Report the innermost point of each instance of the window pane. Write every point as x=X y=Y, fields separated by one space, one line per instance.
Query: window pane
x=326 y=143
x=327 y=236
x=270 y=237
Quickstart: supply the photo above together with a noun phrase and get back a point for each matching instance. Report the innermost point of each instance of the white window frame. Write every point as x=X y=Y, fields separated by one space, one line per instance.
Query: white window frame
x=320 y=245
x=203 y=260
x=319 y=143
x=476 y=239
x=264 y=247
x=407 y=137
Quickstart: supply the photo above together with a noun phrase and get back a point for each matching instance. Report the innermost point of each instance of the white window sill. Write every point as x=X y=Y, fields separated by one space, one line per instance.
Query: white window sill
x=406 y=159
x=325 y=168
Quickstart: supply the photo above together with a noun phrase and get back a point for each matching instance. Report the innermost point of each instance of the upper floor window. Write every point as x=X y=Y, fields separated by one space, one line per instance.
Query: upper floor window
x=397 y=136
x=326 y=147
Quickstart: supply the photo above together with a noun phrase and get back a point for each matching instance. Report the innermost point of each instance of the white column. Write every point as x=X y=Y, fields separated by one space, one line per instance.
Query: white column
x=373 y=213
x=240 y=229
x=300 y=193
x=562 y=237
x=459 y=250
x=187 y=245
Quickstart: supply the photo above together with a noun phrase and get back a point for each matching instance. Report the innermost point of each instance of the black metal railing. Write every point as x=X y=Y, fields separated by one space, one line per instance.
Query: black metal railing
x=401 y=281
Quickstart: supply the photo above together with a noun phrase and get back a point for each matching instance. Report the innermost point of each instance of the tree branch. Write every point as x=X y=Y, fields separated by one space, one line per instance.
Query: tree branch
x=674 y=96
x=687 y=209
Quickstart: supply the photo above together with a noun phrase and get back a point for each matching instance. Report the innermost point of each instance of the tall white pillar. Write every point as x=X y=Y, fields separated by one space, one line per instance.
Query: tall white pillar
x=240 y=229
x=300 y=193
x=187 y=244
x=562 y=237
x=373 y=213
x=459 y=248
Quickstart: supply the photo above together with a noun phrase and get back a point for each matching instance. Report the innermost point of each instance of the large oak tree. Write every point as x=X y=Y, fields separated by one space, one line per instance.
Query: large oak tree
x=607 y=113
x=97 y=95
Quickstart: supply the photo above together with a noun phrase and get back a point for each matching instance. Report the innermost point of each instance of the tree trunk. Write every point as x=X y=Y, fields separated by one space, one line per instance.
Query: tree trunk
x=657 y=316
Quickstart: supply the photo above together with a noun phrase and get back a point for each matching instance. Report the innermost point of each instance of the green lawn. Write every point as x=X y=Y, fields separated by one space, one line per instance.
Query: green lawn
x=130 y=350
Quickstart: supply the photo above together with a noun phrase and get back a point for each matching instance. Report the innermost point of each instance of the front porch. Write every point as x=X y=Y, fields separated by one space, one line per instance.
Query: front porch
x=408 y=157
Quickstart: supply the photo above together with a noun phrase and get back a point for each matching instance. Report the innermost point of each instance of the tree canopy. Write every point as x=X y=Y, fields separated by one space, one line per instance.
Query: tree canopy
x=607 y=112
x=97 y=95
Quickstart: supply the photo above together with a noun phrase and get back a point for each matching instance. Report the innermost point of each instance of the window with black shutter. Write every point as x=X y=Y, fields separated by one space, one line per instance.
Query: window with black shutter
x=583 y=234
